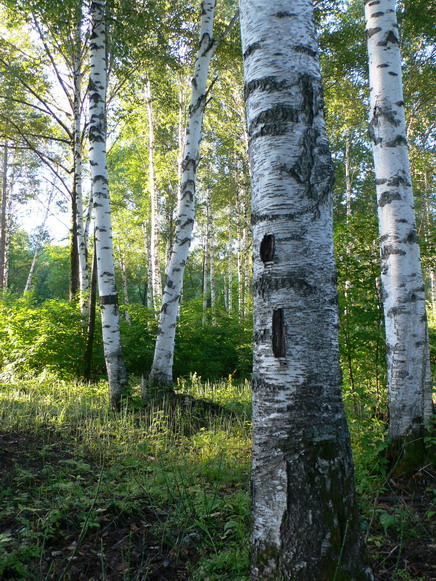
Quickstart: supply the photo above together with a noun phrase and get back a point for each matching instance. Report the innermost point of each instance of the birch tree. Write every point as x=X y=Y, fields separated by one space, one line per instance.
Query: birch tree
x=82 y=250
x=3 y=217
x=162 y=368
x=408 y=364
x=156 y=281
x=305 y=523
x=103 y=228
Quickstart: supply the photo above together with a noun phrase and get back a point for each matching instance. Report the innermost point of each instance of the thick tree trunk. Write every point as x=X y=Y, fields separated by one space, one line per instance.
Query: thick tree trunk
x=156 y=281
x=162 y=368
x=408 y=364
x=3 y=217
x=103 y=227
x=304 y=506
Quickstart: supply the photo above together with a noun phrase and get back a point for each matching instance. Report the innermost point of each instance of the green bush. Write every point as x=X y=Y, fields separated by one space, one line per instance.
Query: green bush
x=37 y=337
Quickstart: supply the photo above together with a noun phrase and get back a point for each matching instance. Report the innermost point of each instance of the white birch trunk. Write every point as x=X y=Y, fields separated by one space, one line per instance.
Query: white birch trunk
x=103 y=228
x=305 y=525
x=156 y=281
x=408 y=365
x=162 y=368
x=77 y=106
x=230 y=269
x=7 y=240
x=3 y=217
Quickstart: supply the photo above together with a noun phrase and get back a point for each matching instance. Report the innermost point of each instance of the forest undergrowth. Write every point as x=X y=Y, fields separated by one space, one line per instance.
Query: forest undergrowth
x=162 y=493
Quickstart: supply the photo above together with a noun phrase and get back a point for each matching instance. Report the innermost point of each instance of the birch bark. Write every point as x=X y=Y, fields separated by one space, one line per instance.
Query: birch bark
x=103 y=227
x=408 y=364
x=162 y=368
x=305 y=524
x=77 y=187
x=3 y=217
x=156 y=281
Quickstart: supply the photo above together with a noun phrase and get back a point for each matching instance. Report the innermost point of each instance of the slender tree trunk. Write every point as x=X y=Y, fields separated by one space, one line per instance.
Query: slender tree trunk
x=162 y=368
x=38 y=243
x=8 y=240
x=205 y=279
x=428 y=229
x=305 y=521
x=348 y=186
x=3 y=217
x=125 y=287
x=149 y=269
x=408 y=363
x=77 y=186
x=156 y=281
x=87 y=373
x=230 y=269
x=74 y=251
x=103 y=228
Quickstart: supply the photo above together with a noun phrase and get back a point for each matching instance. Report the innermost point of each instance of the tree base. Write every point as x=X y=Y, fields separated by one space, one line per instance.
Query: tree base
x=409 y=454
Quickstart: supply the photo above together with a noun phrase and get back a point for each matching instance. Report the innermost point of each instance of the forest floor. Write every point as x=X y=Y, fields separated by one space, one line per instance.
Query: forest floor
x=89 y=496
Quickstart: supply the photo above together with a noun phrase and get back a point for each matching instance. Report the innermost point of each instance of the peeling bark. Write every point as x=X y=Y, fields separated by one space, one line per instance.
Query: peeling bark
x=305 y=523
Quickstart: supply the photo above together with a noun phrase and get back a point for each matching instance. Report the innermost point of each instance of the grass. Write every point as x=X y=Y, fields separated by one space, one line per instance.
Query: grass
x=163 y=492
x=142 y=493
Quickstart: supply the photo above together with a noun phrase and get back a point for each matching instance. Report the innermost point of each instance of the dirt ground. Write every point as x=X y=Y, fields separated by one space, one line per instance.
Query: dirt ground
x=124 y=546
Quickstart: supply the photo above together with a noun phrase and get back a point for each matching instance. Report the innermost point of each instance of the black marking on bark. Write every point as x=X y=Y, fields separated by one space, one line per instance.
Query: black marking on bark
x=374 y=3
x=379 y=182
x=109 y=299
x=285 y=14
x=102 y=179
x=401 y=221
x=251 y=49
x=266 y=85
x=278 y=333
x=387 y=113
x=288 y=216
x=393 y=74
x=398 y=180
x=309 y=104
x=391 y=38
x=303 y=48
x=267 y=248
x=390 y=249
x=264 y=285
x=387 y=197
x=399 y=140
x=399 y=103
x=273 y=121
x=371 y=31
x=411 y=238
x=383 y=66
x=377 y=14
